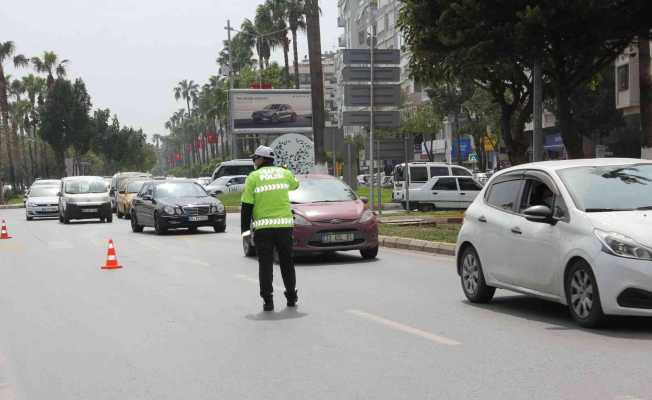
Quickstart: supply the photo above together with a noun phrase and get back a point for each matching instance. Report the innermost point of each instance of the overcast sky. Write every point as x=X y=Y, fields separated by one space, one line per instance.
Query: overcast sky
x=131 y=53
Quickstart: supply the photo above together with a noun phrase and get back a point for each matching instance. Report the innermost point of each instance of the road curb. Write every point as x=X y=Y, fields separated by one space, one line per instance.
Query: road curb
x=426 y=246
x=12 y=207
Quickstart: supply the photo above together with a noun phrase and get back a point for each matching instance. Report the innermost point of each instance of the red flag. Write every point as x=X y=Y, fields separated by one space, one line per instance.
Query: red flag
x=212 y=137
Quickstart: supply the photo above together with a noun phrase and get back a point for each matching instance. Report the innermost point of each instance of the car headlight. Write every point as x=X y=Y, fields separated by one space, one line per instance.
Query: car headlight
x=219 y=207
x=169 y=210
x=623 y=246
x=30 y=204
x=301 y=221
x=178 y=211
x=367 y=216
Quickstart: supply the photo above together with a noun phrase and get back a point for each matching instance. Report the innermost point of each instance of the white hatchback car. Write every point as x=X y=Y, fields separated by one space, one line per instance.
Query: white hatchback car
x=577 y=232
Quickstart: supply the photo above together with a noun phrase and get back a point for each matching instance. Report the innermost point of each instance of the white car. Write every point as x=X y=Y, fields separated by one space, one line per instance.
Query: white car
x=226 y=184
x=444 y=192
x=42 y=201
x=577 y=232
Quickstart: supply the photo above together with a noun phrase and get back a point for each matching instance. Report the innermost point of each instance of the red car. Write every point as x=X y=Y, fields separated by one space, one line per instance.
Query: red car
x=329 y=217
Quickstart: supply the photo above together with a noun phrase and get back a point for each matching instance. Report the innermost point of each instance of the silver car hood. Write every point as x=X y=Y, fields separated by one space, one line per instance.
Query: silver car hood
x=43 y=200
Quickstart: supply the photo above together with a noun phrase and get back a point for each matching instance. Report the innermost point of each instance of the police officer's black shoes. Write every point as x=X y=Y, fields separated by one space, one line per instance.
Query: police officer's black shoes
x=268 y=305
x=292 y=298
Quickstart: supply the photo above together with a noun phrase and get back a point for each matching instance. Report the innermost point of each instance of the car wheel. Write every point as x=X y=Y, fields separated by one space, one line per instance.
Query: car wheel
x=369 y=254
x=27 y=217
x=473 y=283
x=157 y=226
x=66 y=220
x=134 y=225
x=425 y=207
x=219 y=228
x=109 y=219
x=248 y=248
x=119 y=214
x=583 y=296
x=60 y=218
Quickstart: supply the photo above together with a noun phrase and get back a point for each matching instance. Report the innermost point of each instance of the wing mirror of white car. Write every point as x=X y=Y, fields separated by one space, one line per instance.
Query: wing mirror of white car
x=539 y=213
x=364 y=200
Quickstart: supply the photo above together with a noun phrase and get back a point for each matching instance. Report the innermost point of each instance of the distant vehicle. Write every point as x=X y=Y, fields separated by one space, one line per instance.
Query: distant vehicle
x=275 y=113
x=84 y=197
x=126 y=194
x=204 y=181
x=422 y=172
x=444 y=192
x=41 y=182
x=576 y=232
x=233 y=168
x=42 y=201
x=167 y=205
x=226 y=184
x=328 y=217
x=117 y=181
x=386 y=180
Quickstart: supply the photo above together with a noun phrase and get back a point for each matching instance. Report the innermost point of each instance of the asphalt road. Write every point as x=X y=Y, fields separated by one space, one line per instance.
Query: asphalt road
x=182 y=320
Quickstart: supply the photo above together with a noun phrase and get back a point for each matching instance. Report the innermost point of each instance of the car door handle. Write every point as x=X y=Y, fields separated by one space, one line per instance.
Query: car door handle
x=435 y=193
x=483 y=219
x=462 y=194
x=517 y=230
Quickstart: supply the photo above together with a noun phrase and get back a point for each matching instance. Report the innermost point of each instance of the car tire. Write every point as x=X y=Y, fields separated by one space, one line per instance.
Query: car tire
x=109 y=219
x=66 y=220
x=119 y=214
x=413 y=205
x=370 y=253
x=157 y=226
x=583 y=295
x=472 y=277
x=134 y=225
x=219 y=228
x=248 y=248
x=426 y=207
x=27 y=217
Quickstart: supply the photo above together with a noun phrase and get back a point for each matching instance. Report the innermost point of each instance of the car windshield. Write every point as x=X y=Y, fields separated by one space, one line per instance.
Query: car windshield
x=180 y=189
x=322 y=190
x=85 y=186
x=610 y=188
x=272 y=107
x=220 y=181
x=134 y=187
x=44 y=191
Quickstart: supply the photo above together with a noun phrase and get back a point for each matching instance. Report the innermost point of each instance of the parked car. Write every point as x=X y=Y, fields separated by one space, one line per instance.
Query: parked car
x=576 y=232
x=167 y=205
x=329 y=217
x=226 y=184
x=84 y=197
x=42 y=201
x=126 y=194
x=117 y=181
x=274 y=113
x=204 y=181
x=444 y=192
x=420 y=173
x=234 y=168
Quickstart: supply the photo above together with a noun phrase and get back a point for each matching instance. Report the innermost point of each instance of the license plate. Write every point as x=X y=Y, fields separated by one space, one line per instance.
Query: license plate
x=89 y=210
x=337 y=237
x=198 y=218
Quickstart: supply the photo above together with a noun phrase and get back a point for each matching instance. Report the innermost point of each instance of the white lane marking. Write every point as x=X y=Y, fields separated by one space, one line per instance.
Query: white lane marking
x=628 y=398
x=249 y=279
x=405 y=328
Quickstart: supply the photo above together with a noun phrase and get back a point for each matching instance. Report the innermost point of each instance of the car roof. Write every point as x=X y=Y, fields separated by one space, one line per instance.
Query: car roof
x=82 y=177
x=556 y=165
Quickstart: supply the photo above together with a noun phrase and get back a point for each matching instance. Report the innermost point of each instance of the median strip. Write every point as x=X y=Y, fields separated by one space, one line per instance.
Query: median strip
x=405 y=328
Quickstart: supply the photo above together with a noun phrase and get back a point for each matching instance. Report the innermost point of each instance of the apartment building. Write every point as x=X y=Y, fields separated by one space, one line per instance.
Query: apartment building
x=330 y=84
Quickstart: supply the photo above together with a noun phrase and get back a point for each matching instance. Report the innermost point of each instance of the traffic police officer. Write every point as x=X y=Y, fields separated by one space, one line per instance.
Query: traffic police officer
x=265 y=201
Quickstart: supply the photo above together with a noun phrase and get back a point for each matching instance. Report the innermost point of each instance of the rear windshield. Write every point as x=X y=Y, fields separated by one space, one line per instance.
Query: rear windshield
x=85 y=186
x=229 y=170
x=134 y=187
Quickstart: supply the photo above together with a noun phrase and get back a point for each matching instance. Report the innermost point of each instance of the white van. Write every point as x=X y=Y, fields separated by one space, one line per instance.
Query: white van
x=444 y=192
x=422 y=172
x=233 y=168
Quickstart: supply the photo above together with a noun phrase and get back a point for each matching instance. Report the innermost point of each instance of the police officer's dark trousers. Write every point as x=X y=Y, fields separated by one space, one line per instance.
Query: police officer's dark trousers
x=266 y=240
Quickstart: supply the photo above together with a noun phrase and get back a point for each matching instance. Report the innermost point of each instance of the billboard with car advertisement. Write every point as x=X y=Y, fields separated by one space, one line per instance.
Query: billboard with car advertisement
x=271 y=111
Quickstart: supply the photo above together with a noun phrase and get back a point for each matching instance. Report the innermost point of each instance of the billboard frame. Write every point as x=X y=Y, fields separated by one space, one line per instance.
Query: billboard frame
x=263 y=130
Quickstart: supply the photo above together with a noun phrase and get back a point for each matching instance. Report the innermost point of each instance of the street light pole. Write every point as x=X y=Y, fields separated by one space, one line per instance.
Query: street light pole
x=230 y=132
x=372 y=45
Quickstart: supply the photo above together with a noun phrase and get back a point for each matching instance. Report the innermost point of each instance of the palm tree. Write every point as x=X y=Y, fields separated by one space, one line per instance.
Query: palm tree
x=296 y=22
x=264 y=26
x=34 y=87
x=7 y=53
x=186 y=90
x=20 y=111
x=278 y=10
x=49 y=64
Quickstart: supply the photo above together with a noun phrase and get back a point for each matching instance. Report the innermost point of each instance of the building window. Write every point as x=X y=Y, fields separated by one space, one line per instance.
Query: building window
x=623 y=77
x=362 y=37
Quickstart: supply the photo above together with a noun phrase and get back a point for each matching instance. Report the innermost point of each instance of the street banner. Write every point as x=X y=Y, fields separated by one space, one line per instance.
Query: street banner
x=271 y=111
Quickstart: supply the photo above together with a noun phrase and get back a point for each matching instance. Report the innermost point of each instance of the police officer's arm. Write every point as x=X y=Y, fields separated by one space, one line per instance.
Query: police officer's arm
x=294 y=183
x=247 y=207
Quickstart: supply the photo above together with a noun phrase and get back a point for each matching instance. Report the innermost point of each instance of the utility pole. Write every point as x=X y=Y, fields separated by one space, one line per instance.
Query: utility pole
x=537 y=133
x=316 y=78
x=372 y=45
x=230 y=130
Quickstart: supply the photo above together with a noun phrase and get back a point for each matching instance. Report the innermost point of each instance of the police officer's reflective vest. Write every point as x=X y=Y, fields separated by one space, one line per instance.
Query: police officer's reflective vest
x=267 y=189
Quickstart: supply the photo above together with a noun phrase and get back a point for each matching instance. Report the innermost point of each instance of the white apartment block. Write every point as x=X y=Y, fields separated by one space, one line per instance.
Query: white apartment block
x=627 y=81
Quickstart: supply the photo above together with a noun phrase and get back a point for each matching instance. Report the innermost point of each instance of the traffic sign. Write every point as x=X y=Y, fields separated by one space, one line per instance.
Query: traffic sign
x=382 y=119
x=473 y=157
x=363 y=74
x=360 y=95
x=363 y=56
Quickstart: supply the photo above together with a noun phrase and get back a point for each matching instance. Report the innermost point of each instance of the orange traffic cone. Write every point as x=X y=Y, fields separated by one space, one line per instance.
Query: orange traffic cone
x=3 y=231
x=111 y=259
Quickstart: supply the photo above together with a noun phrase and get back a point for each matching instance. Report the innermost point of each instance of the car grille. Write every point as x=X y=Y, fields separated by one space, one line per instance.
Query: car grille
x=46 y=205
x=336 y=221
x=197 y=210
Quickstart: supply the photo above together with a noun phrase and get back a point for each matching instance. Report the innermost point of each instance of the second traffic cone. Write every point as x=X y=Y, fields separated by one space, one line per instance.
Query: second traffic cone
x=3 y=231
x=111 y=259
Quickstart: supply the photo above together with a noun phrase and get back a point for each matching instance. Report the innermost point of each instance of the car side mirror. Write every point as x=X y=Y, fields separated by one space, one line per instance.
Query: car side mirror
x=228 y=184
x=364 y=200
x=59 y=194
x=147 y=197
x=540 y=213
x=122 y=192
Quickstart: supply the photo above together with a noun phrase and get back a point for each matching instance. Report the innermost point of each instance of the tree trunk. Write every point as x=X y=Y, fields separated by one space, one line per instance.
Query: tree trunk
x=286 y=70
x=297 y=82
x=4 y=126
x=572 y=140
x=646 y=88
x=316 y=77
